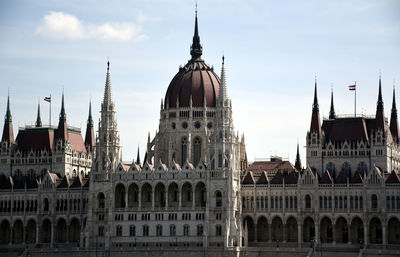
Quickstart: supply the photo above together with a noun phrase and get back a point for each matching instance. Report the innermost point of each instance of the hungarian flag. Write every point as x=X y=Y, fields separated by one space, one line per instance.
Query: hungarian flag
x=47 y=99
x=352 y=87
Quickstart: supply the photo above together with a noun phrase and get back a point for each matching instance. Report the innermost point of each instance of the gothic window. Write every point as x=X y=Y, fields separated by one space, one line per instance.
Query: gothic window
x=199 y=230
x=325 y=202
x=220 y=159
x=119 y=230
x=159 y=230
x=361 y=202
x=46 y=204
x=218 y=229
x=308 y=201
x=172 y=230
x=295 y=202
x=145 y=230
x=184 y=150
x=186 y=230
x=197 y=150
x=132 y=230
x=374 y=201
x=100 y=201
x=351 y=202
x=101 y=231
x=218 y=199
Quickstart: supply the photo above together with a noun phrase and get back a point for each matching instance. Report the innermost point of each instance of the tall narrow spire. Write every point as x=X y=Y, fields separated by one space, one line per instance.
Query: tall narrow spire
x=315 y=120
x=297 y=164
x=89 y=137
x=394 y=125
x=62 y=130
x=138 y=156
x=38 y=123
x=196 y=50
x=8 y=134
x=380 y=116
x=332 y=114
x=107 y=90
x=222 y=88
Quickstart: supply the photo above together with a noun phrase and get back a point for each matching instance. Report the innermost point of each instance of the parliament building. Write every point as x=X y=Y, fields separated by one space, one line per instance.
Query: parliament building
x=195 y=192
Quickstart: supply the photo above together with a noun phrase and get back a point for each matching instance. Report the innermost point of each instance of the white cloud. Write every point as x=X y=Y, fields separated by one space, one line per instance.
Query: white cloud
x=59 y=25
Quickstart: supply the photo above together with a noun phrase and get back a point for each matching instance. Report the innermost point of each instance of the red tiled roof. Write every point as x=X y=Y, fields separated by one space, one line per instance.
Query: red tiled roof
x=43 y=138
x=258 y=167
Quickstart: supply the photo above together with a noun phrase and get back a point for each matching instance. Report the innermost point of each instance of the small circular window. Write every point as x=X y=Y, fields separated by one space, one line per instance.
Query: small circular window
x=173 y=125
x=197 y=124
x=210 y=125
x=184 y=125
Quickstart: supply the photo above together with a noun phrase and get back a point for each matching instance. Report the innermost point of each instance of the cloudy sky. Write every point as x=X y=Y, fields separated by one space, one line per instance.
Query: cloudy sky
x=273 y=50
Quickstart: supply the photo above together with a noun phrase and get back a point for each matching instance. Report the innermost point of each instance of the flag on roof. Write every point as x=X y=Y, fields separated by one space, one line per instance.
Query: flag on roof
x=352 y=87
x=47 y=99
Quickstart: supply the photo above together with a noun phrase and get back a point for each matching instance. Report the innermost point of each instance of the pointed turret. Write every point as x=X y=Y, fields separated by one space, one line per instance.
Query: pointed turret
x=332 y=114
x=196 y=50
x=8 y=134
x=315 y=120
x=138 y=156
x=107 y=100
x=222 y=89
x=394 y=125
x=62 y=131
x=297 y=164
x=38 y=123
x=89 y=137
x=380 y=116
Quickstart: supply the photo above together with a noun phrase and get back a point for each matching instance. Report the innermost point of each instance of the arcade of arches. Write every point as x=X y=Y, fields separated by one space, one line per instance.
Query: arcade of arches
x=158 y=196
x=339 y=232
x=31 y=232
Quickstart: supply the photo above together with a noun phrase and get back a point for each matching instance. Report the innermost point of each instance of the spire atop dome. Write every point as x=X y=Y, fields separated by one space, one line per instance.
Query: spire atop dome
x=38 y=123
x=380 y=116
x=8 y=134
x=315 y=120
x=196 y=50
x=332 y=114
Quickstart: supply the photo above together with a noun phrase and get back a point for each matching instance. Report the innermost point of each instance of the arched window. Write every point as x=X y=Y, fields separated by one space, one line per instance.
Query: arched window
x=186 y=229
x=218 y=199
x=100 y=201
x=145 y=230
x=340 y=202
x=330 y=202
x=218 y=230
x=219 y=159
x=361 y=202
x=183 y=150
x=199 y=230
x=119 y=230
x=374 y=202
x=295 y=202
x=351 y=202
x=172 y=230
x=308 y=201
x=197 y=150
x=388 y=202
x=159 y=230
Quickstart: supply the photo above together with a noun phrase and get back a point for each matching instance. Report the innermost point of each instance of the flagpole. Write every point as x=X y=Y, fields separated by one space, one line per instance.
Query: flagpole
x=50 y=113
x=355 y=99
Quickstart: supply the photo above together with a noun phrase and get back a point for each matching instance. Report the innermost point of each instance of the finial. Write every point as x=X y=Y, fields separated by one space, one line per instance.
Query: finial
x=108 y=63
x=196 y=7
x=223 y=59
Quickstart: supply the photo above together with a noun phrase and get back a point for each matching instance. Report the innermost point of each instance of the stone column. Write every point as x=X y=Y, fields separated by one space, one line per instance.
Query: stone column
x=333 y=233
x=126 y=199
x=37 y=232
x=179 y=199
x=166 y=199
x=383 y=235
x=11 y=233
x=152 y=198
x=316 y=239
x=139 y=199
x=255 y=233
x=270 y=232
x=194 y=197
x=299 y=235
x=24 y=231
x=68 y=226
x=365 y=235
x=349 y=233
x=52 y=236
x=284 y=233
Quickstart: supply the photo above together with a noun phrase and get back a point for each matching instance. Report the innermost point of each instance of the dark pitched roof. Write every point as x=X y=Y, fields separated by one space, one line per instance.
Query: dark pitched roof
x=326 y=178
x=77 y=182
x=262 y=180
x=341 y=178
x=277 y=179
x=271 y=167
x=64 y=183
x=248 y=179
x=5 y=182
x=393 y=178
x=291 y=177
x=357 y=177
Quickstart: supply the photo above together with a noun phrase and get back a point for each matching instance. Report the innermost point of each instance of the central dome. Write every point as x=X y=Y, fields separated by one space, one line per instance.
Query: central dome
x=195 y=81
